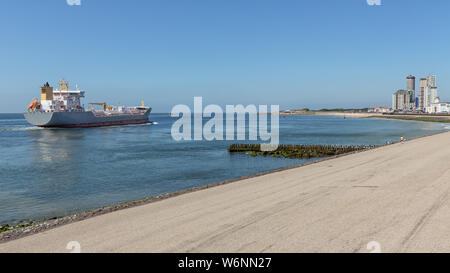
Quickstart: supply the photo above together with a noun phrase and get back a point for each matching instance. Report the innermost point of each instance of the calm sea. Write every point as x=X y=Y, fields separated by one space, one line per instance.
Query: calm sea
x=54 y=172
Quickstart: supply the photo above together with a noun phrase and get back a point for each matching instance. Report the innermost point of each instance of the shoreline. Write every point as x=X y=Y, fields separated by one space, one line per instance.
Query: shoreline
x=333 y=205
x=421 y=118
x=52 y=223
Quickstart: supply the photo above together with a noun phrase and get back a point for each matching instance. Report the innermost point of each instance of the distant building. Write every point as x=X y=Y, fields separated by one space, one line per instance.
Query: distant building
x=421 y=95
x=411 y=83
x=438 y=107
x=403 y=100
x=431 y=91
x=382 y=109
x=432 y=80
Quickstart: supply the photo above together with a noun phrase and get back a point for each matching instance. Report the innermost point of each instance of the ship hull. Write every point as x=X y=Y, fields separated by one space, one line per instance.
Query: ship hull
x=82 y=119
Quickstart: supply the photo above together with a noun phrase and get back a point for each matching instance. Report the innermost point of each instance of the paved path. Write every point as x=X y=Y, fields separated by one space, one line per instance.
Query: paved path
x=397 y=196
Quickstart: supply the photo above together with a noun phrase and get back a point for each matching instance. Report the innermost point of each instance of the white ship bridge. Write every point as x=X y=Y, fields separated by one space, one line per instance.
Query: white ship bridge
x=61 y=100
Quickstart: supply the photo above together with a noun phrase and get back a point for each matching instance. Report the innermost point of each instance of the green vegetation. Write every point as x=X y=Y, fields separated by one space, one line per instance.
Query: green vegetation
x=21 y=224
x=302 y=110
x=4 y=228
x=296 y=151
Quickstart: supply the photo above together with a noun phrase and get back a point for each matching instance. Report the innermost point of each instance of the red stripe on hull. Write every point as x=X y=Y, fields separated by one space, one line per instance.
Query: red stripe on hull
x=102 y=124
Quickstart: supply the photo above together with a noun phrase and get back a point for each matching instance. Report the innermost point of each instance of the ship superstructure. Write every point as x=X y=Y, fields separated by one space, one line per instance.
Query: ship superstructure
x=63 y=108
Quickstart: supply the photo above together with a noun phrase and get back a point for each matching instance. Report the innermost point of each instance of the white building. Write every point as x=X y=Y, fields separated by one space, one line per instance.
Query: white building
x=380 y=109
x=431 y=91
x=438 y=107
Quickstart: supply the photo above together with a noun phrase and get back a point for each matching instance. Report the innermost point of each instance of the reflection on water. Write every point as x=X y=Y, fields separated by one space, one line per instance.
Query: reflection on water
x=53 y=146
x=55 y=155
x=54 y=172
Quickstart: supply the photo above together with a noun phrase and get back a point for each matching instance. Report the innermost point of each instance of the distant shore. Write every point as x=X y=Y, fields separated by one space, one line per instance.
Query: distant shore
x=413 y=117
x=331 y=113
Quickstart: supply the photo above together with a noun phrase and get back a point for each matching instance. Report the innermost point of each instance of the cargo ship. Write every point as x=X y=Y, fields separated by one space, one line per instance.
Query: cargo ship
x=63 y=109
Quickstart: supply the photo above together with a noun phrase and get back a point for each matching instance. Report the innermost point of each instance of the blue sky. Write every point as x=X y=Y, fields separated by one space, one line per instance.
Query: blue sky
x=295 y=53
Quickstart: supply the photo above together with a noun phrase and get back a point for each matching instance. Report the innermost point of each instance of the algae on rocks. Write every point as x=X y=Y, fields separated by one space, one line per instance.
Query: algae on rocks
x=297 y=151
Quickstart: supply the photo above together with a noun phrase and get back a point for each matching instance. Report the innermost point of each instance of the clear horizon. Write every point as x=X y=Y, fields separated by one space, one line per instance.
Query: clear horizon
x=299 y=54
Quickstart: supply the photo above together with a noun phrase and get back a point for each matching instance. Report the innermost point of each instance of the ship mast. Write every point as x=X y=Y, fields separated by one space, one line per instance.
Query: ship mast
x=63 y=85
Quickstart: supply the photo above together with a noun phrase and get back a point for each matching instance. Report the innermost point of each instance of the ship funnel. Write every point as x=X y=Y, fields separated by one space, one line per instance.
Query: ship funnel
x=46 y=92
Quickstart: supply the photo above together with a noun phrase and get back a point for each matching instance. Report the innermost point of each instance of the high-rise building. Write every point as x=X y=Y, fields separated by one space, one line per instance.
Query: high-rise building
x=430 y=95
x=421 y=95
x=430 y=92
x=411 y=83
x=403 y=100
x=432 y=80
x=411 y=87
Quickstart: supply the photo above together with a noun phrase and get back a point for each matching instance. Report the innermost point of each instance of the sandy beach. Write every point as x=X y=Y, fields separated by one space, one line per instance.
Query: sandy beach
x=396 y=195
x=349 y=115
x=331 y=113
x=422 y=117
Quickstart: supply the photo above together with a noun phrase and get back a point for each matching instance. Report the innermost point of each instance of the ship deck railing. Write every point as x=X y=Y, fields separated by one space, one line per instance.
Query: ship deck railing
x=101 y=113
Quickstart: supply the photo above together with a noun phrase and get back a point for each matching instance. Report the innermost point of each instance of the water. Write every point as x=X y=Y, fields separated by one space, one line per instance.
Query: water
x=54 y=172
